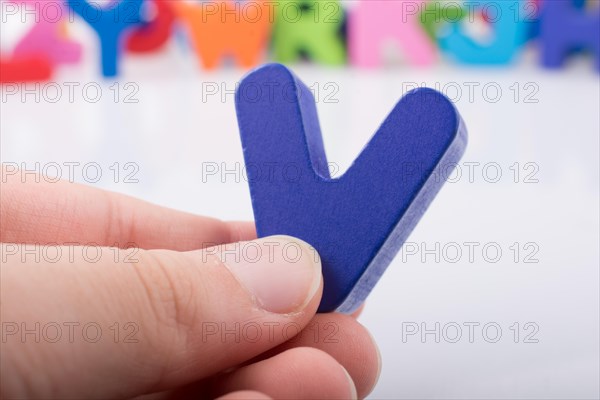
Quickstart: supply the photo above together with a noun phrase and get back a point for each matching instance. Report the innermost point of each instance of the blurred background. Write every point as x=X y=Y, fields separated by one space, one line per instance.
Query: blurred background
x=496 y=292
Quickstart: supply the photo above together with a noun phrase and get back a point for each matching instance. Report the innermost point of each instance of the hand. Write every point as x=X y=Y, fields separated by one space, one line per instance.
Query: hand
x=106 y=296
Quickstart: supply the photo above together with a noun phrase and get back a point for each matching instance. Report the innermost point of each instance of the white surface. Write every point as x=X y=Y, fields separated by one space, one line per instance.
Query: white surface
x=171 y=131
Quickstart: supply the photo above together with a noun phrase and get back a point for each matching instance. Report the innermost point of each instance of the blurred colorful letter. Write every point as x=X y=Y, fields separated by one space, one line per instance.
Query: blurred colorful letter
x=374 y=21
x=312 y=27
x=218 y=29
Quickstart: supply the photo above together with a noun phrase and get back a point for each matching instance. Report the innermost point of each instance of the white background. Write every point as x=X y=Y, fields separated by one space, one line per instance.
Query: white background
x=172 y=130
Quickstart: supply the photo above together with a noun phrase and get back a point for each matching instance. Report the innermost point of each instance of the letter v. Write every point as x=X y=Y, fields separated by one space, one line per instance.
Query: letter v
x=359 y=221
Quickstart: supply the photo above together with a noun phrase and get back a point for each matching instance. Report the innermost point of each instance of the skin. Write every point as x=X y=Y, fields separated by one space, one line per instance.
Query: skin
x=168 y=295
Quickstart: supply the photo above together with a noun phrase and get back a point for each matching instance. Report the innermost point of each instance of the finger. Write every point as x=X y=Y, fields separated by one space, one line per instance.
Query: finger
x=346 y=340
x=299 y=373
x=245 y=395
x=338 y=335
x=64 y=212
x=151 y=321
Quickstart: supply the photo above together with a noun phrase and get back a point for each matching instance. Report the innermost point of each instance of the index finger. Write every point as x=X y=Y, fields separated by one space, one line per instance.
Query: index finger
x=42 y=212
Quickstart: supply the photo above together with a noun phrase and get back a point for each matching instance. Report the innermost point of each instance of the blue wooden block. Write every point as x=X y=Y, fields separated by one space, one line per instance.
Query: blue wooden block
x=359 y=221
x=110 y=23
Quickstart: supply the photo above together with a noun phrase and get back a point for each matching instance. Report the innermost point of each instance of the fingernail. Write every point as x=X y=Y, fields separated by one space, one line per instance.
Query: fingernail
x=282 y=273
x=353 y=392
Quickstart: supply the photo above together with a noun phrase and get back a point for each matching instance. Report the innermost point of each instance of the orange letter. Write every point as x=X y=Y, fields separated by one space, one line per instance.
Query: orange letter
x=226 y=28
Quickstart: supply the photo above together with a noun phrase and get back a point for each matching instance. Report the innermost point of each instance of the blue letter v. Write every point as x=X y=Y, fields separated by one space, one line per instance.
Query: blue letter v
x=357 y=222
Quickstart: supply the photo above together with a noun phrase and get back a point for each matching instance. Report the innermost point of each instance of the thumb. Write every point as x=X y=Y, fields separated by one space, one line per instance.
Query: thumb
x=147 y=321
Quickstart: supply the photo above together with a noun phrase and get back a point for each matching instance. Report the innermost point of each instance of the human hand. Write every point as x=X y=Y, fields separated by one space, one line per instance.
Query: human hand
x=107 y=296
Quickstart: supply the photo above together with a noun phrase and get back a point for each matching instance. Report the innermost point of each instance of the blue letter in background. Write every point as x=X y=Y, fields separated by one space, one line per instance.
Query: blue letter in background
x=510 y=32
x=565 y=27
x=110 y=23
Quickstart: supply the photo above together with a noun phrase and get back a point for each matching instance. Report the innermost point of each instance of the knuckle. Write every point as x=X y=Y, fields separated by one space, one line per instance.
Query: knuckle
x=168 y=283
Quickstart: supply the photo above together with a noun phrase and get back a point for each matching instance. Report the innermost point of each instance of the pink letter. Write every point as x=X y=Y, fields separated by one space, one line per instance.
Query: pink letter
x=46 y=37
x=373 y=22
